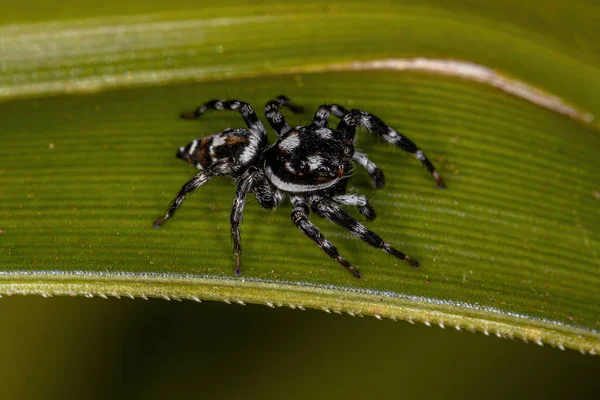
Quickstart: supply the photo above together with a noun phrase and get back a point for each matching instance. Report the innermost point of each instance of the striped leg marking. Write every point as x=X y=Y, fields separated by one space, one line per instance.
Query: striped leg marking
x=242 y=107
x=275 y=118
x=188 y=188
x=375 y=173
x=372 y=123
x=263 y=192
x=300 y=218
x=244 y=187
x=356 y=200
x=340 y=217
x=322 y=115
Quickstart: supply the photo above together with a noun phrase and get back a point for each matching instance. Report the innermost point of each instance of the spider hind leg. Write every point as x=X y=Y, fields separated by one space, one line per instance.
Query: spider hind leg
x=300 y=219
x=340 y=217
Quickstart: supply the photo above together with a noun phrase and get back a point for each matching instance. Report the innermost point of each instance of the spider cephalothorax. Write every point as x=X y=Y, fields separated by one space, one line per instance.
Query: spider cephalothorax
x=309 y=164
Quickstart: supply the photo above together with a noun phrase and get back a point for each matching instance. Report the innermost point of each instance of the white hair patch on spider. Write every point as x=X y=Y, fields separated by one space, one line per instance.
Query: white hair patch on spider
x=289 y=167
x=255 y=139
x=192 y=147
x=314 y=162
x=290 y=143
x=218 y=140
x=363 y=161
x=278 y=196
x=322 y=114
x=366 y=122
x=351 y=200
x=257 y=132
x=359 y=230
x=247 y=155
x=275 y=116
x=295 y=187
x=324 y=133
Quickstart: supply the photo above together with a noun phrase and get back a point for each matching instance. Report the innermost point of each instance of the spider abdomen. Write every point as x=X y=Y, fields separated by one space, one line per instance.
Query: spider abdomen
x=225 y=147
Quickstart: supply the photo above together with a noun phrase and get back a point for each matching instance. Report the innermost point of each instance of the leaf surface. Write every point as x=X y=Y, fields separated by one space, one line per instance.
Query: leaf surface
x=511 y=248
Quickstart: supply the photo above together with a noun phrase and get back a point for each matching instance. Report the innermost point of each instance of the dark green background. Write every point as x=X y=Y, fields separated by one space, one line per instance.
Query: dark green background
x=81 y=348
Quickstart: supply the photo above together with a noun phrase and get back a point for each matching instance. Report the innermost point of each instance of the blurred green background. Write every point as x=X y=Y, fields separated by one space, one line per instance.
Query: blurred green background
x=74 y=348
x=82 y=348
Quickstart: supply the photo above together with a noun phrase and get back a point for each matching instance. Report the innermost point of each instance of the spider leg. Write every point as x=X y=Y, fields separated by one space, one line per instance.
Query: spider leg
x=191 y=185
x=340 y=217
x=300 y=218
x=275 y=118
x=355 y=118
x=263 y=192
x=244 y=187
x=375 y=173
x=322 y=114
x=256 y=127
x=321 y=118
x=358 y=201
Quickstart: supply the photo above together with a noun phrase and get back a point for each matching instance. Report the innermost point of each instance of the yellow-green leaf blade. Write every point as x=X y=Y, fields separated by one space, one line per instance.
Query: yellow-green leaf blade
x=511 y=248
x=514 y=237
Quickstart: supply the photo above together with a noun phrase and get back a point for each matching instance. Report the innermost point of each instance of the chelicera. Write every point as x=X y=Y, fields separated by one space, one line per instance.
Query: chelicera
x=309 y=164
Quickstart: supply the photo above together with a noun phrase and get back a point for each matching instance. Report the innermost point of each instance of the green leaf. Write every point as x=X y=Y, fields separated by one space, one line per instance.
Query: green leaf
x=511 y=248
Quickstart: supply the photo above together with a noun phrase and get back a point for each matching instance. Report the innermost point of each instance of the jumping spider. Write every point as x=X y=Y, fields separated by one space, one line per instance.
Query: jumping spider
x=310 y=164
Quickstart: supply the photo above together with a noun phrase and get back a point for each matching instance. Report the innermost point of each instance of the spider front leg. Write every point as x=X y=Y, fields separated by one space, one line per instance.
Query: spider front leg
x=354 y=118
x=375 y=173
x=188 y=188
x=300 y=219
x=322 y=115
x=358 y=201
x=340 y=217
x=275 y=118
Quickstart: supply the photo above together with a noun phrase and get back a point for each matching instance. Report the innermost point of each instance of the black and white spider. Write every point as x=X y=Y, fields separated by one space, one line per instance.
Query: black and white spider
x=309 y=164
